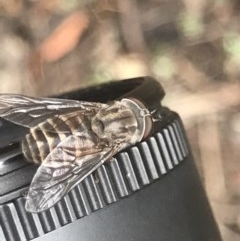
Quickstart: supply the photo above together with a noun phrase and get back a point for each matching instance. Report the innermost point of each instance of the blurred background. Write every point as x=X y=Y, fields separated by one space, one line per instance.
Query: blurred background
x=49 y=47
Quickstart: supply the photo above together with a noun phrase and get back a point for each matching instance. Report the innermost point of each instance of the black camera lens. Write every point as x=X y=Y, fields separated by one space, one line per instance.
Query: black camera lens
x=149 y=191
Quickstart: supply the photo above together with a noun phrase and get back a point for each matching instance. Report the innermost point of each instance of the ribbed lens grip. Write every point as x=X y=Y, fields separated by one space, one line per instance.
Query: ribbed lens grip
x=130 y=171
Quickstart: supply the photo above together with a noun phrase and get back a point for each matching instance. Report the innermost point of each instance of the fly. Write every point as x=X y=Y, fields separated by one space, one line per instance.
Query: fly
x=70 y=139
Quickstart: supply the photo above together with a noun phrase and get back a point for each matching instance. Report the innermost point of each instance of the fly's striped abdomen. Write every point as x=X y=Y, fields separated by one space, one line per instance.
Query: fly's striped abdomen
x=43 y=138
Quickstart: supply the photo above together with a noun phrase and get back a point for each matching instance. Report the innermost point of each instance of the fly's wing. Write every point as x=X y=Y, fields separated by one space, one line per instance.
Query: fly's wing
x=29 y=111
x=65 y=167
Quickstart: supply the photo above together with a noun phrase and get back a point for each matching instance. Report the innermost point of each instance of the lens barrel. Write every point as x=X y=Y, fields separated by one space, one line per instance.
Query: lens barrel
x=150 y=191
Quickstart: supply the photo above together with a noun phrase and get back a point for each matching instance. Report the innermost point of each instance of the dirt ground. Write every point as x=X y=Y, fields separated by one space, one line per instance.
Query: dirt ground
x=192 y=47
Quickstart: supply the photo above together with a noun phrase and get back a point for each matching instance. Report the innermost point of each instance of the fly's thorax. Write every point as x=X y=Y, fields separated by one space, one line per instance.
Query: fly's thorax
x=116 y=122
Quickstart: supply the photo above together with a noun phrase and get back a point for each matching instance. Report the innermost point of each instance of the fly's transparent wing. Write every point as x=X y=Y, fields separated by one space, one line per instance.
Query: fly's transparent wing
x=65 y=167
x=29 y=111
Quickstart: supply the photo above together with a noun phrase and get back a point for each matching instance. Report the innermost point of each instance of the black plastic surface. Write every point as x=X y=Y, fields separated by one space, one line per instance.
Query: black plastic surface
x=174 y=208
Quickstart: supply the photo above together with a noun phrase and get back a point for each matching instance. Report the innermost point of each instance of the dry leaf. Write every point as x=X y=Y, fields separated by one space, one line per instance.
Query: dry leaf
x=64 y=38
